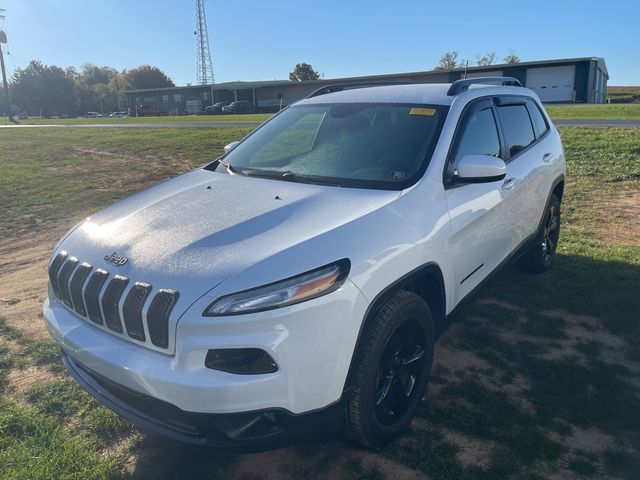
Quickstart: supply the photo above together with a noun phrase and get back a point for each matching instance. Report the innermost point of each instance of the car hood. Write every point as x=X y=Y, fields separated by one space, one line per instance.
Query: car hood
x=193 y=232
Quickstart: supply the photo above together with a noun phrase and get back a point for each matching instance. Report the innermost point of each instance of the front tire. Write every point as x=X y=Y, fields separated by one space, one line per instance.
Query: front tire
x=391 y=370
x=541 y=255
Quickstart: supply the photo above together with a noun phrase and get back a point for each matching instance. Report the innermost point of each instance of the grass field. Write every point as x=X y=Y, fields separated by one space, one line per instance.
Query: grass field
x=627 y=94
x=623 y=111
x=538 y=378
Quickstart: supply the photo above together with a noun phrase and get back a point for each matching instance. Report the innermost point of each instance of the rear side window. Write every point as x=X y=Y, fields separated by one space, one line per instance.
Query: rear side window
x=537 y=118
x=479 y=137
x=517 y=127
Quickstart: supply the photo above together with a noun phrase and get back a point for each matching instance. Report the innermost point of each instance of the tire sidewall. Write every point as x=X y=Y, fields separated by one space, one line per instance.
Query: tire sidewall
x=413 y=308
x=547 y=263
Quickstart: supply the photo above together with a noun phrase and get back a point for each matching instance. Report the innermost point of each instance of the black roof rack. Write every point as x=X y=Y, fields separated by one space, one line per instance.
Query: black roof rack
x=463 y=85
x=338 y=87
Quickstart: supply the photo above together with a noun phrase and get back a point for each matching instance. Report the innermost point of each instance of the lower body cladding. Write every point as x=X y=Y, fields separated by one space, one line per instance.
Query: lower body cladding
x=178 y=396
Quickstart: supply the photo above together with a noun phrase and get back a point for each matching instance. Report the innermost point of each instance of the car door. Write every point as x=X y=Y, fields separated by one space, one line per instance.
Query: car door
x=527 y=153
x=483 y=233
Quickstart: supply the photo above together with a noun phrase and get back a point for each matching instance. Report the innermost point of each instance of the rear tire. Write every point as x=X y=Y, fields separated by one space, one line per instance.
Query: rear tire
x=391 y=370
x=541 y=255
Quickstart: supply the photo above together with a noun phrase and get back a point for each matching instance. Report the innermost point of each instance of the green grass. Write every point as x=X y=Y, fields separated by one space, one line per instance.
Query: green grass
x=594 y=111
x=36 y=446
x=534 y=385
x=50 y=173
x=239 y=118
x=623 y=94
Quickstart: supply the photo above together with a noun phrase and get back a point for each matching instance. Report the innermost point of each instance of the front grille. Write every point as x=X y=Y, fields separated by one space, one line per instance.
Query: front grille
x=111 y=302
x=108 y=304
x=92 y=295
x=132 y=310
x=54 y=268
x=158 y=317
x=63 y=280
x=75 y=287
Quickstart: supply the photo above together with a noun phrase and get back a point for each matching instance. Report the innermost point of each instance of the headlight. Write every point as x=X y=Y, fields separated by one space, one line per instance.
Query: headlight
x=300 y=288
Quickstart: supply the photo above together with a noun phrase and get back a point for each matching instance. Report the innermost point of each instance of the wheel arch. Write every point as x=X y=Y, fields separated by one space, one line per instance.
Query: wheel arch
x=557 y=188
x=427 y=282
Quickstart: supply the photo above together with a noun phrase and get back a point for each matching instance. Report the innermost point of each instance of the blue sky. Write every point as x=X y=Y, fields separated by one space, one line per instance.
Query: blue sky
x=263 y=40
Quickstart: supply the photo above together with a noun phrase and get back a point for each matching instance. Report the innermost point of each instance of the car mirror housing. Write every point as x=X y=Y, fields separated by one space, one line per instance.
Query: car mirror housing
x=231 y=146
x=479 y=169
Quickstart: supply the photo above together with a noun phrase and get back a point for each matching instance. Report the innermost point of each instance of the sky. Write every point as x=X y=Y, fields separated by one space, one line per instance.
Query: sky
x=264 y=39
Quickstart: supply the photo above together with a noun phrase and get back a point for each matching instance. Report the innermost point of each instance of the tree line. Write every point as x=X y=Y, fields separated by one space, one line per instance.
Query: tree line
x=48 y=90
x=452 y=60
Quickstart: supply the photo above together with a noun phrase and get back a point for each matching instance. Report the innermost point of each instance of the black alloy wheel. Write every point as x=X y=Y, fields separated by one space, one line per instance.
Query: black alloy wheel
x=390 y=370
x=401 y=364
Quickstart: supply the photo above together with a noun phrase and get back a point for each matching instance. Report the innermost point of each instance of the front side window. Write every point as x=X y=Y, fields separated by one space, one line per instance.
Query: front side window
x=479 y=136
x=358 y=145
x=517 y=127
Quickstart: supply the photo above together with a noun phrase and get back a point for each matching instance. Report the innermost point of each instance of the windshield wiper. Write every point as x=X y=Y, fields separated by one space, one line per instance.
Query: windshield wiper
x=229 y=167
x=287 y=176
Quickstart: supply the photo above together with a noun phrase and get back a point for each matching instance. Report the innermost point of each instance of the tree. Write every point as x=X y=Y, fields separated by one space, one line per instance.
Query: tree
x=40 y=88
x=94 y=75
x=448 y=61
x=303 y=72
x=485 y=60
x=512 y=57
x=94 y=89
x=146 y=76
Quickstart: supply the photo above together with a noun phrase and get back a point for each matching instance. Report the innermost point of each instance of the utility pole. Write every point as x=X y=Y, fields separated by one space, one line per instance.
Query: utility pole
x=5 y=84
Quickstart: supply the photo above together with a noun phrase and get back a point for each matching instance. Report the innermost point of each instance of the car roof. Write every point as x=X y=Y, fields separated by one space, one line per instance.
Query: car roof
x=419 y=93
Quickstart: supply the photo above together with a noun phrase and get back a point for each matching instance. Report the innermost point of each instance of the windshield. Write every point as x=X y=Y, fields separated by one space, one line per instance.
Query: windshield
x=358 y=145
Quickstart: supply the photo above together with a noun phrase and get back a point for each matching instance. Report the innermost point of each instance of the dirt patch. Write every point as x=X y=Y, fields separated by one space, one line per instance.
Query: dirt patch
x=23 y=284
x=19 y=381
x=473 y=452
x=617 y=215
x=290 y=464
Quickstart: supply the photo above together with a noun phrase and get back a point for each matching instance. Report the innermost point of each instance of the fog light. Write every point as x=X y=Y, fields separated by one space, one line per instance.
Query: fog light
x=241 y=361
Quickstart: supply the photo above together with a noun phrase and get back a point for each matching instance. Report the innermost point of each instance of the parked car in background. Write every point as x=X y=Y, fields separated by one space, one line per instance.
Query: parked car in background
x=143 y=111
x=239 y=106
x=68 y=115
x=119 y=114
x=216 y=108
x=296 y=284
x=94 y=115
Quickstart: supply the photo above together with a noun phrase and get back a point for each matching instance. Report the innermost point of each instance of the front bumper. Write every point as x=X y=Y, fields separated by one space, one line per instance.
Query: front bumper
x=312 y=343
x=250 y=431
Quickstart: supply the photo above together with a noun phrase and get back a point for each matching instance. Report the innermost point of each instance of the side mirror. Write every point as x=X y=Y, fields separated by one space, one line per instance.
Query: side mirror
x=231 y=146
x=480 y=169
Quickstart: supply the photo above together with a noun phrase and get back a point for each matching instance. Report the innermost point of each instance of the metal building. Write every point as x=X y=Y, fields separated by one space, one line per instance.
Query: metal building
x=569 y=80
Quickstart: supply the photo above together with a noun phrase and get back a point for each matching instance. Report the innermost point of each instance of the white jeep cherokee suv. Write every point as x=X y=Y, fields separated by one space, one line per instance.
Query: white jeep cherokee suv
x=297 y=284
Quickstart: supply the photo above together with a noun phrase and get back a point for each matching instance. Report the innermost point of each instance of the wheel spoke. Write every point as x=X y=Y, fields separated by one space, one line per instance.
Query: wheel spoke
x=408 y=386
x=549 y=243
x=415 y=356
x=400 y=398
x=382 y=393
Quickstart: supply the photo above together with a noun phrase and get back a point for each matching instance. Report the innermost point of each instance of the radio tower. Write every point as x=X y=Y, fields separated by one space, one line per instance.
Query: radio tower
x=205 y=69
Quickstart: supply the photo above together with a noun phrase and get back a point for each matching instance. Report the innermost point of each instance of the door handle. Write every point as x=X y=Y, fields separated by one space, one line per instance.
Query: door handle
x=509 y=183
x=547 y=157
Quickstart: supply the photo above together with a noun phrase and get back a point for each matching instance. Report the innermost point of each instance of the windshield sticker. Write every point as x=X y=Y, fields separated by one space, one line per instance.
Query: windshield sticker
x=422 y=111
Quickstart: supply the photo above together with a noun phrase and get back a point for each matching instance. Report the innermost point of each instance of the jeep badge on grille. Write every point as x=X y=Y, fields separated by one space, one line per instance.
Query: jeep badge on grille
x=115 y=258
